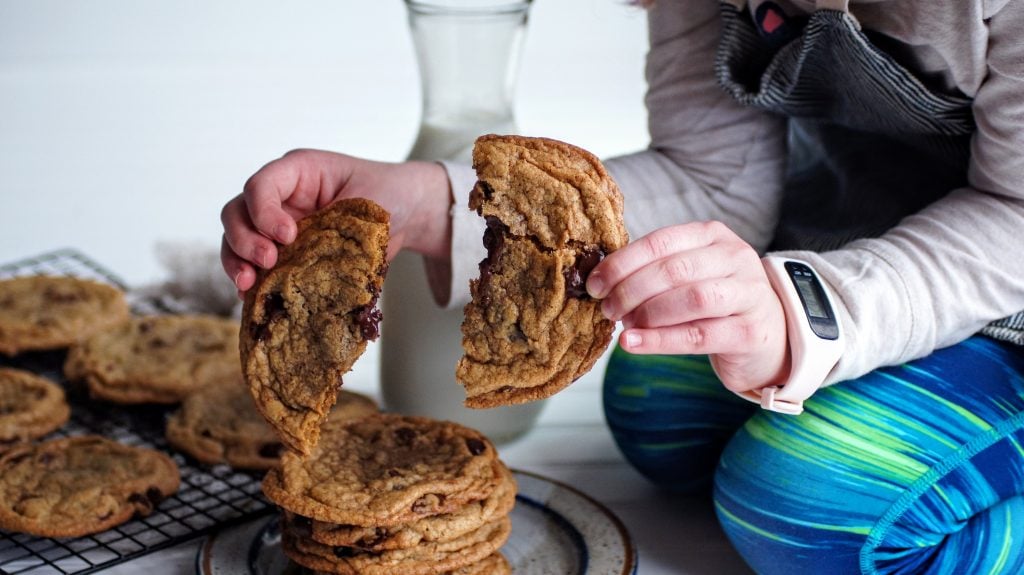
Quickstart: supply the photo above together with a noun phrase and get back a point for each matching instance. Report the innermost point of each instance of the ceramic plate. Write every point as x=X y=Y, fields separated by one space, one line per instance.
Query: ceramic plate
x=555 y=529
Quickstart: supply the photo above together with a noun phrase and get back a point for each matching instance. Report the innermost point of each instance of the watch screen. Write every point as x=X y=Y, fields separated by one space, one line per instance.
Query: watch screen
x=815 y=307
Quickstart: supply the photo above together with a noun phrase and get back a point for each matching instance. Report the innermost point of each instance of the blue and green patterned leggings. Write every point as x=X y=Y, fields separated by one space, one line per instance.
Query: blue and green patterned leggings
x=911 y=469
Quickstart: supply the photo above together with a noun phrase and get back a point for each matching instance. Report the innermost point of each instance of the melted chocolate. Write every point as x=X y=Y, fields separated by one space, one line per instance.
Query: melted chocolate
x=369 y=317
x=576 y=276
x=273 y=308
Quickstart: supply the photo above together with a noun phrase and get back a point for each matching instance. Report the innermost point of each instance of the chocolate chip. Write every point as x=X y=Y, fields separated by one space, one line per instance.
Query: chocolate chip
x=47 y=458
x=476 y=446
x=369 y=317
x=405 y=435
x=271 y=450
x=273 y=308
x=487 y=190
x=142 y=503
x=154 y=495
x=342 y=552
x=378 y=537
x=576 y=276
x=53 y=295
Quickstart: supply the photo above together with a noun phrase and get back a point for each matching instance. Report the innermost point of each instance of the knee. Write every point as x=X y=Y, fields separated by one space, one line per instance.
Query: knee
x=670 y=417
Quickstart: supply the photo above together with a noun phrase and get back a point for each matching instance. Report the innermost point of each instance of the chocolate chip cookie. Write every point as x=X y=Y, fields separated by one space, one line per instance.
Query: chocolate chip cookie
x=53 y=312
x=493 y=564
x=386 y=470
x=220 y=424
x=424 y=559
x=79 y=485
x=552 y=214
x=30 y=406
x=308 y=319
x=156 y=359
x=430 y=529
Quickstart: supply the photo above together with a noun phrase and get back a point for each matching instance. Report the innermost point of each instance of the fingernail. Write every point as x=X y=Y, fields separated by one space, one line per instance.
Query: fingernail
x=237 y=275
x=595 y=285
x=259 y=256
x=633 y=340
x=284 y=233
x=608 y=309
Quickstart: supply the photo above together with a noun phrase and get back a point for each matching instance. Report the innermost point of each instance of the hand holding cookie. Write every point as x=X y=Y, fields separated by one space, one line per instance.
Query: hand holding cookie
x=697 y=289
x=301 y=182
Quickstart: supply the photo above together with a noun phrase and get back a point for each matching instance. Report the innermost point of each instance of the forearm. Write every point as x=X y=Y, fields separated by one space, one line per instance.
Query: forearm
x=928 y=283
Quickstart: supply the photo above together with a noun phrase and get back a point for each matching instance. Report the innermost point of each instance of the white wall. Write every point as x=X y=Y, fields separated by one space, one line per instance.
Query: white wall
x=128 y=122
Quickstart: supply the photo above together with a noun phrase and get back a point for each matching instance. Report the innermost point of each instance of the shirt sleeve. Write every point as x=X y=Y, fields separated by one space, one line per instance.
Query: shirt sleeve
x=943 y=273
x=709 y=158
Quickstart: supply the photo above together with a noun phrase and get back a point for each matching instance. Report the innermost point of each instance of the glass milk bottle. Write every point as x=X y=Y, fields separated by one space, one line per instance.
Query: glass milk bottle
x=467 y=51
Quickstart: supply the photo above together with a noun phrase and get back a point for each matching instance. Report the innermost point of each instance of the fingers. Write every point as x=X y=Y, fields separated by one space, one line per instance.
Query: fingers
x=652 y=247
x=703 y=337
x=713 y=298
x=265 y=195
x=667 y=274
x=243 y=239
x=240 y=271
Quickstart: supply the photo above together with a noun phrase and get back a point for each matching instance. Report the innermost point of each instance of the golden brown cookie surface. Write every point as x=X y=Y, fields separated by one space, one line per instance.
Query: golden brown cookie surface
x=552 y=213
x=79 y=485
x=424 y=559
x=220 y=424
x=156 y=359
x=308 y=319
x=30 y=406
x=384 y=470
x=430 y=529
x=51 y=312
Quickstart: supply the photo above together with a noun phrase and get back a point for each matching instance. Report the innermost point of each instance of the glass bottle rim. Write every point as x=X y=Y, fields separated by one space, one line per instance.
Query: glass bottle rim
x=468 y=9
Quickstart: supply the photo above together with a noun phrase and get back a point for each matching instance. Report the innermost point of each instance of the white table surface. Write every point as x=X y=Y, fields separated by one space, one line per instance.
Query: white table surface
x=125 y=124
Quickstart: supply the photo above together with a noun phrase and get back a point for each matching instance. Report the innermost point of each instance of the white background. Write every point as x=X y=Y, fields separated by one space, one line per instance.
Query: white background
x=128 y=122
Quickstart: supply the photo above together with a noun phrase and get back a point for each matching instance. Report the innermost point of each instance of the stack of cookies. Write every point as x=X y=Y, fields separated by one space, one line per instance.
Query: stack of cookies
x=388 y=494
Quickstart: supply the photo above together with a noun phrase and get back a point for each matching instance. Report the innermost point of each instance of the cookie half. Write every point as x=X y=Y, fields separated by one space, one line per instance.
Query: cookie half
x=385 y=470
x=307 y=320
x=220 y=424
x=156 y=359
x=80 y=485
x=552 y=214
x=30 y=406
x=53 y=312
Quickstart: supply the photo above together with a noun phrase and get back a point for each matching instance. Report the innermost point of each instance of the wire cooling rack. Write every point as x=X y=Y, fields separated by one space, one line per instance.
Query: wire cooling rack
x=210 y=497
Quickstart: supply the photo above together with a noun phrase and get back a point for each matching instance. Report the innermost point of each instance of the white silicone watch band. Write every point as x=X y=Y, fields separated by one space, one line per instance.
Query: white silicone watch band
x=813 y=357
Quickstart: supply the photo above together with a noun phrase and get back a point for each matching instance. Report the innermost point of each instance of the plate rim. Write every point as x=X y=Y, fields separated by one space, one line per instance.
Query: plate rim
x=630 y=560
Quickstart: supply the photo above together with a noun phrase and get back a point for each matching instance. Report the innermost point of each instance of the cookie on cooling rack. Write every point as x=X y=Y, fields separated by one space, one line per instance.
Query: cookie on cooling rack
x=156 y=359
x=220 y=424
x=52 y=312
x=307 y=320
x=75 y=486
x=552 y=213
x=30 y=406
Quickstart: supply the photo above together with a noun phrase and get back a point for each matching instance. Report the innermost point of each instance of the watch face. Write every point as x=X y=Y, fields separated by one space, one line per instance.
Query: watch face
x=812 y=296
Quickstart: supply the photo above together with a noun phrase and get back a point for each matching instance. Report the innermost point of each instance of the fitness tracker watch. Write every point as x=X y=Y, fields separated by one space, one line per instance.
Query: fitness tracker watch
x=815 y=336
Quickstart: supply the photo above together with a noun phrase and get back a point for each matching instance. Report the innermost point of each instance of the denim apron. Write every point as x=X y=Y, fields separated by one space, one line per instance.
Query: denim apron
x=869 y=143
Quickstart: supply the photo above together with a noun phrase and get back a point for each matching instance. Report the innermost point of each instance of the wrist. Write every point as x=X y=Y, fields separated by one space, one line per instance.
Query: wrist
x=813 y=333
x=429 y=229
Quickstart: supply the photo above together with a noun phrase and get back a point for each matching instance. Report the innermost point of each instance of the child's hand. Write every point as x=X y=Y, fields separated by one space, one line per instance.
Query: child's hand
x=697 y=289
x=303 y=181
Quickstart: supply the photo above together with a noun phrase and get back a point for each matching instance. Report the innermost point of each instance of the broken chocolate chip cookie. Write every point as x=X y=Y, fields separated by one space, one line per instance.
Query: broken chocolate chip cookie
x=308 y=319
x=552 y=214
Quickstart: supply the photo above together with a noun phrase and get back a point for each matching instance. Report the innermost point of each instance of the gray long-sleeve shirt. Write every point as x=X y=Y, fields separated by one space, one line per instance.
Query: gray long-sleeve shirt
x=931 y=281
